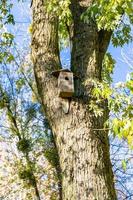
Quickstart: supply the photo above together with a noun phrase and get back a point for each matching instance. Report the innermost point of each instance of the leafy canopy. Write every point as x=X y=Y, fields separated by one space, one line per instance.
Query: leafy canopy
x=112 y=15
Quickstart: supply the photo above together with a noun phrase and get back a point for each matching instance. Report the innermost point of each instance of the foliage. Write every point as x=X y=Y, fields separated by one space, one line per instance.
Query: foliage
x=120 y=101
x=107 y=68
x=113 y=16
x=6 y=38
x=123 y=122
x=6 y=17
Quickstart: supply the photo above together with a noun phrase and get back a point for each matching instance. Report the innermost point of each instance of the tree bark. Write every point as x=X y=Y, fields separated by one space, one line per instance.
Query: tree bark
x=83 y=149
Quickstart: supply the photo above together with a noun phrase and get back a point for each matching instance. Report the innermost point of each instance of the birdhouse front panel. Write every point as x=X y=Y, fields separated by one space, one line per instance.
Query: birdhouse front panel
x=66 y=84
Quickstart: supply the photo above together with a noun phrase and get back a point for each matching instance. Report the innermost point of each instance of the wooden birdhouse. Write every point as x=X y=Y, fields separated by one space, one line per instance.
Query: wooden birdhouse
x=65 y=82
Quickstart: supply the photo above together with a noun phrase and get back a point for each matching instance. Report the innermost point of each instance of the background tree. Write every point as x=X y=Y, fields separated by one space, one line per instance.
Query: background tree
x=26 y=144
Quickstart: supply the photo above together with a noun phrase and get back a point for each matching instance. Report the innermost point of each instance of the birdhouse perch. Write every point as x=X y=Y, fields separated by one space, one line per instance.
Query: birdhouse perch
x=65 y=82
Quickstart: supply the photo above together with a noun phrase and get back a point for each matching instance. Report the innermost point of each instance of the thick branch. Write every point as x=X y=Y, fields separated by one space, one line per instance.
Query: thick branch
x=45 y=51
x=85 y=49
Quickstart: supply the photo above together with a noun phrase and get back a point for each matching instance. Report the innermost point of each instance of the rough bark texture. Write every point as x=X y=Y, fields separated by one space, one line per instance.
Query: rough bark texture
x=83 y=149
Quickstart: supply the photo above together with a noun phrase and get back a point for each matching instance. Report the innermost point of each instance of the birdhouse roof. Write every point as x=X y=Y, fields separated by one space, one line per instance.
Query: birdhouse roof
x=56 y=73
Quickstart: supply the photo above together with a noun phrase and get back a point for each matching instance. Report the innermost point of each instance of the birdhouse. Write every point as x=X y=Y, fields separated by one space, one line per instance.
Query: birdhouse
x=65 y=83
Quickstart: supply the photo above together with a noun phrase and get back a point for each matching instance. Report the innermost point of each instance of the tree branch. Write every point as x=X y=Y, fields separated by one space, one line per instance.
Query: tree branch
x=45 y=49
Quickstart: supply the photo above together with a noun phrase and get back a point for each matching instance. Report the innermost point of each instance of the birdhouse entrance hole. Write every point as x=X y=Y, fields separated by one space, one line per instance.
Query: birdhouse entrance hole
x=66 y=78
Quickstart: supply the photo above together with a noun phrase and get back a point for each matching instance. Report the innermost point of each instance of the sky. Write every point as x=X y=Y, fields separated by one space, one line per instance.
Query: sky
x=122 y=68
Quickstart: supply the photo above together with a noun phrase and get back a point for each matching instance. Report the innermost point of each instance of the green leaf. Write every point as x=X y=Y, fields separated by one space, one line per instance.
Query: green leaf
x=124 y=165
x=10 y=58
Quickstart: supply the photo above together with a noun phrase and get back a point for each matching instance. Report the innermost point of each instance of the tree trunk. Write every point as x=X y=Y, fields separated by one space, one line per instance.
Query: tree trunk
x=82 y=145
